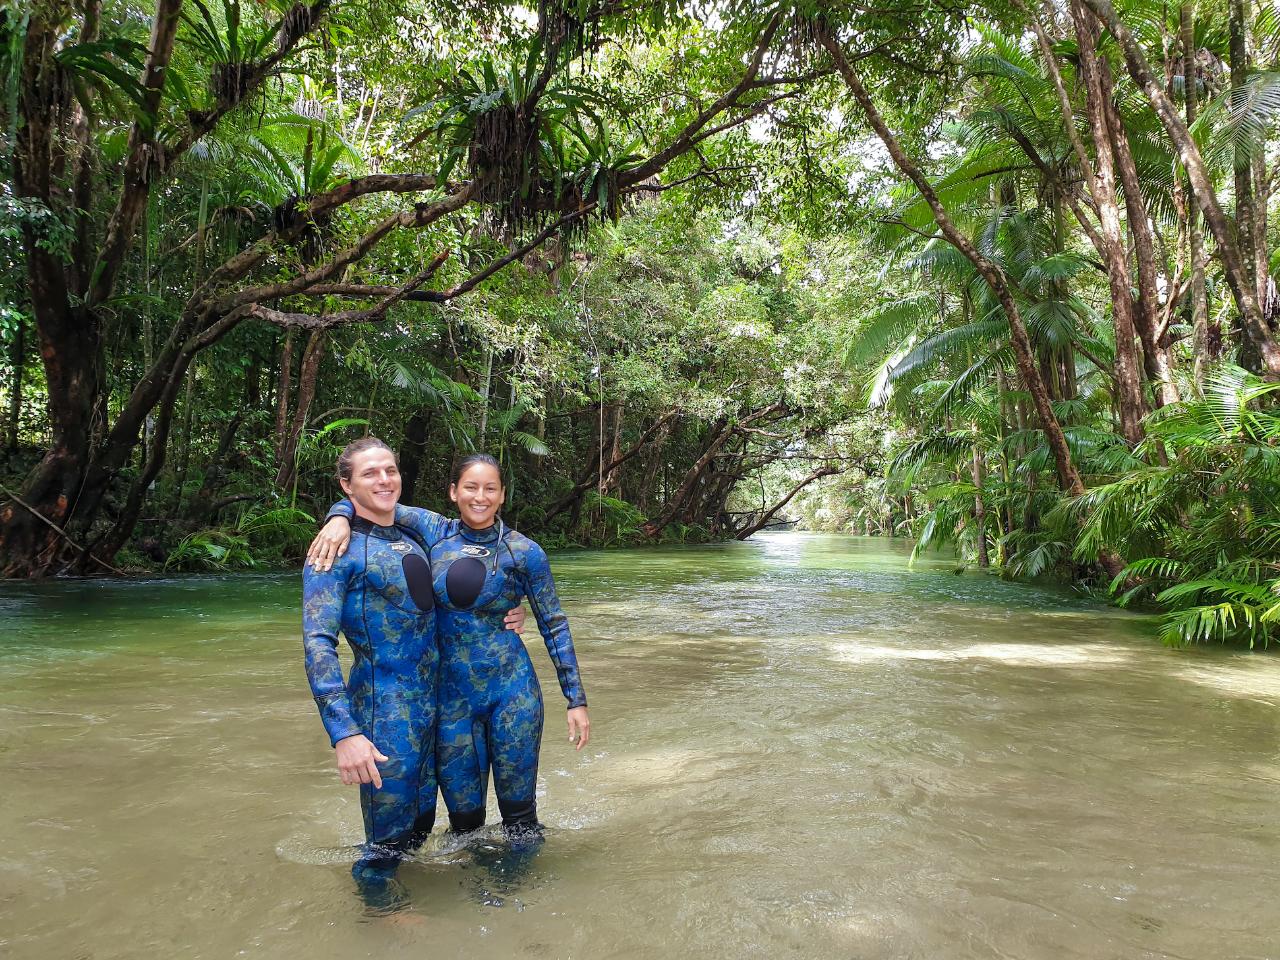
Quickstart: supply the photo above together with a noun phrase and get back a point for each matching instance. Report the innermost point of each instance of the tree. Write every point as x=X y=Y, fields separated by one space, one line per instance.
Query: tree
x=540 y=162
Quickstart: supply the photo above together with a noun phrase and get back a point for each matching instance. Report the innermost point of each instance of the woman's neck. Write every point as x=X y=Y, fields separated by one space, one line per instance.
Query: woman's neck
x=491 y=532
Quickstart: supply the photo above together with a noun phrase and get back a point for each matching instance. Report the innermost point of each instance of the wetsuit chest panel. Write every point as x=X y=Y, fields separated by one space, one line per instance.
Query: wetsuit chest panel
x=391 y=569
x=417 y=574
x=464 y=580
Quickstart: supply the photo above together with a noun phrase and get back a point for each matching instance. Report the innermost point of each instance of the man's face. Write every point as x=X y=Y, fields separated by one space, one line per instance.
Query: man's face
x=374 y=486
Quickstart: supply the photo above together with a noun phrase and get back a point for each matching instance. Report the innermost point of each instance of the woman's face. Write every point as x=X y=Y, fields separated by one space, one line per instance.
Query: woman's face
x=478 y=494
x=374 y=486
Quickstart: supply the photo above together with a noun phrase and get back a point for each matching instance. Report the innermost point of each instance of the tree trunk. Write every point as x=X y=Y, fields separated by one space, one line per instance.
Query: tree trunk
x=284 y=390
x=411 y=453
x=1206 y=342
x=308 y=375
x=200 y=509
x=1063 y=359
x=1130 y=403
x=141 y=156
x=83 y=126
x=184 y=448
x=1238 y=54
x=1239 y=280
x=611 y=482
x=17 y=363
x=1155 y=342
x=979 y=509
x=483 y=427
x=70 y=336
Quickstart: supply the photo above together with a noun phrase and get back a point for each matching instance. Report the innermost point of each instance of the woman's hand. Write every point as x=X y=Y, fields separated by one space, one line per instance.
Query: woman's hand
x=579 y=726
x=330 y=543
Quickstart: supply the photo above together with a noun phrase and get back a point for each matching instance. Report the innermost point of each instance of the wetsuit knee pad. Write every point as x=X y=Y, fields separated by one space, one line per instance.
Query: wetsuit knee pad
x=466 y=821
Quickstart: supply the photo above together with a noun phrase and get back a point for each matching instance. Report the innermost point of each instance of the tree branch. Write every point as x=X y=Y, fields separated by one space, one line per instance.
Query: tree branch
x=308 y=321
x=421 y=216
x=588 y=477
x=686 y=137
x=769 y=514
x=142 y=156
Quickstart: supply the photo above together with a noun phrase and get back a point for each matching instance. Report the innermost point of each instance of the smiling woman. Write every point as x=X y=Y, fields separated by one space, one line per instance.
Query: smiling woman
x=477 y=489
x=490 y=702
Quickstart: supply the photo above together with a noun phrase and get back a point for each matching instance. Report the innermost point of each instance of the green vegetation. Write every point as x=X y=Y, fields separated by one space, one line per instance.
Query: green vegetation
x=998 y=278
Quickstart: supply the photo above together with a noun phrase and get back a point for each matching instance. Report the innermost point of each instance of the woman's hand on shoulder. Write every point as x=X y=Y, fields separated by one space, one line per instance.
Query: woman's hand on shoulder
x=330 y=543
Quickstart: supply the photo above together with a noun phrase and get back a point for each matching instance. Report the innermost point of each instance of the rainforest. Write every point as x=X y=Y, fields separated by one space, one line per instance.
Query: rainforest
x=998 y=278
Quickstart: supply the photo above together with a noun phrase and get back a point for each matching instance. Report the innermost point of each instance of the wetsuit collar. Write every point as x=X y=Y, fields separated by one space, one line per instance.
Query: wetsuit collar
x=488 y=535
x=371 y=529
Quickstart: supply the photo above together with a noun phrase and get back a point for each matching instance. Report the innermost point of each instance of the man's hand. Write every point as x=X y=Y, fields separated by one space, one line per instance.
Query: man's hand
x=515 y=620
x=579 y=727
x=330 y=543
x=358 y=760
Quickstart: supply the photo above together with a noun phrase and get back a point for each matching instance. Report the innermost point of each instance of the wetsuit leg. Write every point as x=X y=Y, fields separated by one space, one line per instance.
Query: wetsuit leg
x=515 y=735
x=462 y=760
x=388 y=823
x=399 y=816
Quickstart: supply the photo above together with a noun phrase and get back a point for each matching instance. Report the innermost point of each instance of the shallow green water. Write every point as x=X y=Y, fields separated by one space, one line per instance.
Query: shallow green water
x=801 y=749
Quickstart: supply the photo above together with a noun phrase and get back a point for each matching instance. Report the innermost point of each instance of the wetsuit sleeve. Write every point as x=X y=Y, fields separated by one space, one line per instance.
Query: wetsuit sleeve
x=323 y=596
x=552 y=624
x=343 y=508
x=427 y=525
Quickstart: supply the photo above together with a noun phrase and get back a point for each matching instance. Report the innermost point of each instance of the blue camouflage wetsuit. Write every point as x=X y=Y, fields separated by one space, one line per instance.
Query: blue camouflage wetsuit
x=379 y=595
x=490 y=701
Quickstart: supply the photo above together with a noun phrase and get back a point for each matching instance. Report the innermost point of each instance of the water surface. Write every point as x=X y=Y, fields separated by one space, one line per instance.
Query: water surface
x=800 y=748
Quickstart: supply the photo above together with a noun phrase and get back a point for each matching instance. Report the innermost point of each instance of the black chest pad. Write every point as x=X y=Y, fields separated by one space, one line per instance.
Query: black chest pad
x=417 y=575
x=464 y=580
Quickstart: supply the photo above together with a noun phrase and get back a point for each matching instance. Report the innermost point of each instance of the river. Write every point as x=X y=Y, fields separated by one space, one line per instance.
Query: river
x=801 y=748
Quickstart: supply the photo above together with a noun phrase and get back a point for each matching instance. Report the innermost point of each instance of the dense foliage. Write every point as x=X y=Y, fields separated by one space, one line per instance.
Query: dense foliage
x=996 y=277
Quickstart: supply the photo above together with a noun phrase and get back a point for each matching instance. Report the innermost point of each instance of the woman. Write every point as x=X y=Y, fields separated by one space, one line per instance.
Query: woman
x=490 y=702
x=382 y=720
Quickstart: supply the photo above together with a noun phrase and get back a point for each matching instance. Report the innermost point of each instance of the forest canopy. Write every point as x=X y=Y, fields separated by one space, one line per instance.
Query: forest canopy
x=997 y=276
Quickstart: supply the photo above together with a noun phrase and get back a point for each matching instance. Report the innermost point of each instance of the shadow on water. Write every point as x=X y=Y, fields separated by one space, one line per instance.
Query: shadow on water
x=800 y=748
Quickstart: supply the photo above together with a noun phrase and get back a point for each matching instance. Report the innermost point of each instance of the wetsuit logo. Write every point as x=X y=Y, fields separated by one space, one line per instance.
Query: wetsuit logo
x=401 y=547
x=473 y=551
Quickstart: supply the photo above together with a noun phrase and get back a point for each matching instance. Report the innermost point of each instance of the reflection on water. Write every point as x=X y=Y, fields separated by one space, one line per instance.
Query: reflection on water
x=800 y=748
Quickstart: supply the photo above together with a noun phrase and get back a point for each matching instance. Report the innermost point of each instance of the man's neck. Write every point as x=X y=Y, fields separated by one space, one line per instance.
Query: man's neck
x=382 y=519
